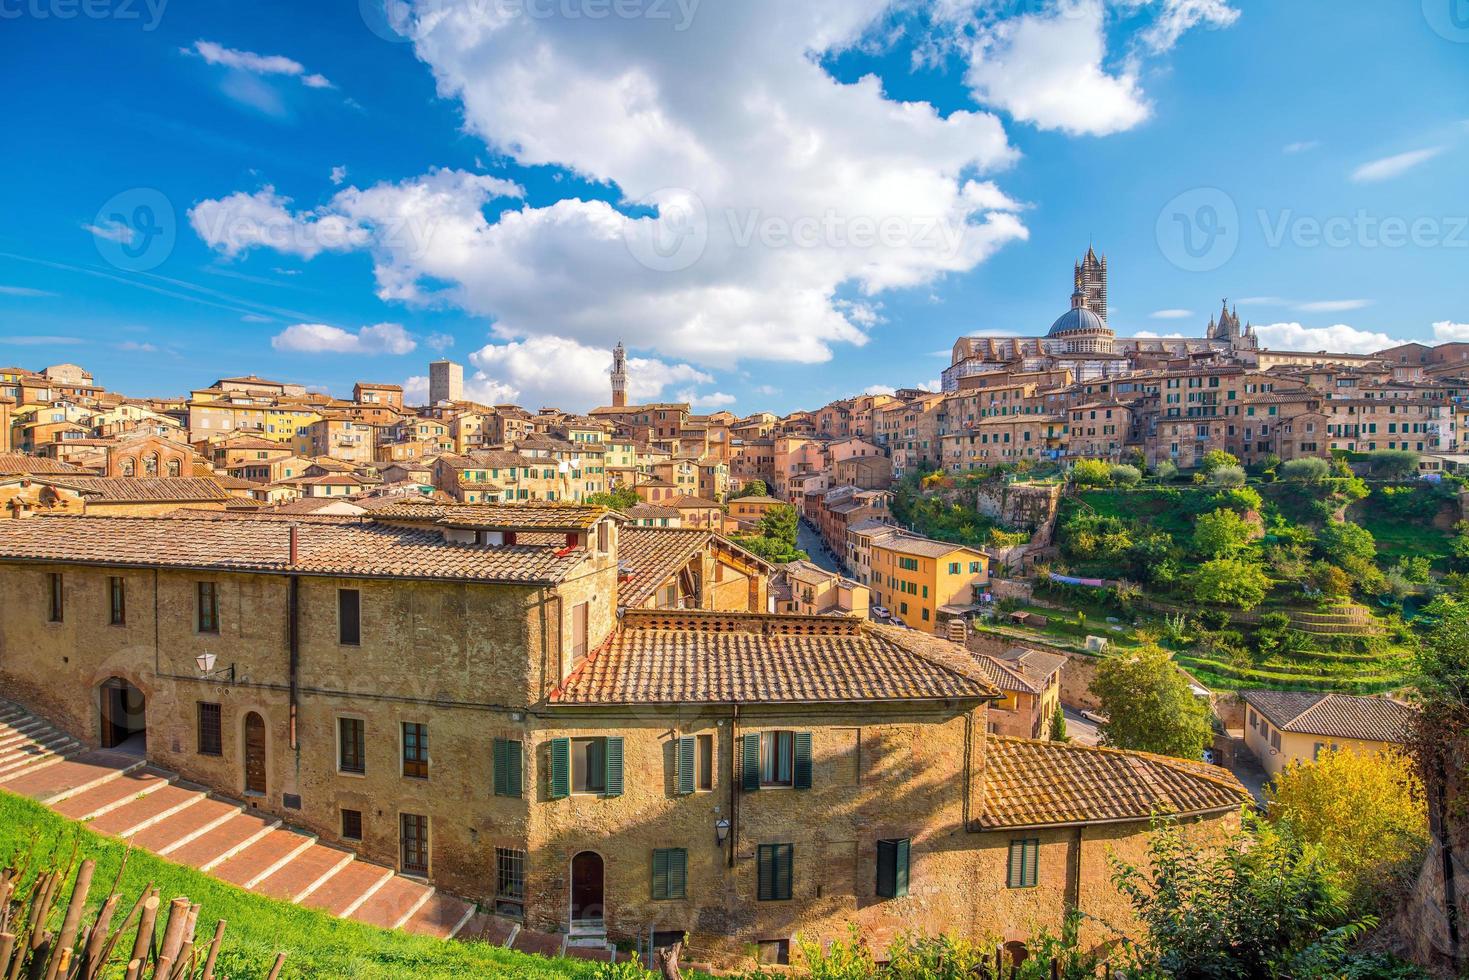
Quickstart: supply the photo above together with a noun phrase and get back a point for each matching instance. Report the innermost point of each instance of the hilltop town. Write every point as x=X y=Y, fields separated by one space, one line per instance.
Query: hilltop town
x=727 y=681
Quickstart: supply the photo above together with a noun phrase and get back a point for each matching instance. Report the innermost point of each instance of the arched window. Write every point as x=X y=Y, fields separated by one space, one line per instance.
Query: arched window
x=150 y=464
x=129 y=465
x=173 y=467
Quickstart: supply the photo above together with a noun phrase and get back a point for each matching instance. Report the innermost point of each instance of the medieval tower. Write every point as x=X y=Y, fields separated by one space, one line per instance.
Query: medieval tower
x=1091 y=282
x=619 y=376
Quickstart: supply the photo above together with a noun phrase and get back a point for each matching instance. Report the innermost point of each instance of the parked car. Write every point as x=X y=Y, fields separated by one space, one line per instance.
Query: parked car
x=880 y=612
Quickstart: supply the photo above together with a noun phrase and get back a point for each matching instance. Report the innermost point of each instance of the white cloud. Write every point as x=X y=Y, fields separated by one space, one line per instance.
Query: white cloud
x=879 y=390
x=934 y=385
x=113 y=231
x=767 y=390
x=1048 y=69
x=1339 y=338
x=256 y=64
x=1333 y=305
x=558 y=371
x=767 y=140
x=438 y=341
x=415 y=390
x=319 y=338
x=339 y=174
x=1303 y=146
x=1394 y=166
x=23 y=291
x=1445 y=331
x=257 y=318
x=1173 y=314
x=1178 y=17
x=1152 y=335
x=135 y=346
x=705 y=402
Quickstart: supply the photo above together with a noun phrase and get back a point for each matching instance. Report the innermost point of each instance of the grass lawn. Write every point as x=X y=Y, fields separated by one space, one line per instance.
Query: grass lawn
x=1398 y=538
x=316 y=944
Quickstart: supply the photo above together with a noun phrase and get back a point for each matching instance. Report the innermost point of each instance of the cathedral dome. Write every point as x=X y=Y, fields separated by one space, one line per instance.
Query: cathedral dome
x=1077 y=318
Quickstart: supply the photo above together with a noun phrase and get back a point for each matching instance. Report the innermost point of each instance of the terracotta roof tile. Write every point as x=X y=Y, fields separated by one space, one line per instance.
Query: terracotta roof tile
x=1372 y=719
x=681 y=657
x=494 y=517
x=647 y=556
x=1031 y=784
x=128 y=490
x=361 y=548
x=19 y=464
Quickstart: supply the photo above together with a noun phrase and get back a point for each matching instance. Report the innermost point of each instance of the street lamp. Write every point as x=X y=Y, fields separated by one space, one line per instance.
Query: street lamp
x=205 y=661
x=721 y=831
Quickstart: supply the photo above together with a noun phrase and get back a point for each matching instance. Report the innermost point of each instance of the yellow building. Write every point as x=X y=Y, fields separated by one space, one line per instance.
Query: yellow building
x=920 y=580
x=1282 y=727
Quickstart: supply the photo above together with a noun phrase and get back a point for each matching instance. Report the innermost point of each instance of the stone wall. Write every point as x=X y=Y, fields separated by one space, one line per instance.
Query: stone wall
x=1022 y=506
x=1076 y=675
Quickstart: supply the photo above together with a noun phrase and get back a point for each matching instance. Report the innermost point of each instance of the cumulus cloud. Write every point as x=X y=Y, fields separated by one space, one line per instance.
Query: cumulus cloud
x=1049 y=69
x=1151 y=335
x=1446 y=330
x=708 y=401
x=1339 y=338
x=1387 y=168
x=339 y=174
x=559 y=371
x=1178 y=17
x=879 y=390
x=319 y=338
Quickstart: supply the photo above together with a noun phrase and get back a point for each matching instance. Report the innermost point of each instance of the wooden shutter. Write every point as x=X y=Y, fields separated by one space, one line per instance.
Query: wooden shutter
x=507 y=767
x=660 y=874
x=892 y=868
x=750 y=768
x=560 y=768
x=678 y=873
x=1024 y=855
x=685 y=764
x=501 y=776
x=614 y=766
x=801 y=771
x=766 y=875
x=515 y=766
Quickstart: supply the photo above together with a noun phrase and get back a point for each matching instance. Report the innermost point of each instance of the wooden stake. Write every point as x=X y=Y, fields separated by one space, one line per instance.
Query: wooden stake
x=65 y=942
x=98 y=936
x=143 y=941
x=208 y=973
x=275 y=971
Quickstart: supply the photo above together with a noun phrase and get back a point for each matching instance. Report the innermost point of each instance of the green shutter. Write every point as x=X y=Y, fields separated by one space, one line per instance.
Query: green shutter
x=514 y=767
x=900 y=876
x=560 y=768
x=685 y=764
x=502 y=769
x=660 y=875
x=766 y=861
x=614 y=766
x=802 y=769
x=1024 y=856
x=892 y=868
x=678 y=873
x=750 y=770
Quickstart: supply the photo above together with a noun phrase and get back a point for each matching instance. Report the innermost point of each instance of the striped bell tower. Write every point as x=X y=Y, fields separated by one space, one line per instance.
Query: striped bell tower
x=619 y=376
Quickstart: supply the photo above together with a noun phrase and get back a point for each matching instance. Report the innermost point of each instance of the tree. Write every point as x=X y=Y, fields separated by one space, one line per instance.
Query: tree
x=1330 y=581
x=1365 y=810
x=1243 y=499
x=1230 y=582
x=1091 y=473
x=1150 y=705
x=1220 y=533
x=1308 y=469
x=1227 y=476
x=1394 y=464
x=1058 y=726
x=755 y=488
x=774 y=538
x=1216 y=458
x=1256 y=904
x=619 y=499
x=1165 y=470
x=1123 y=475
x=1340 y=540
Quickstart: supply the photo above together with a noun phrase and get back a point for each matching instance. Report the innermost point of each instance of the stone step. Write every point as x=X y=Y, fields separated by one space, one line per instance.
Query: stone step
x=539 y=943
x=106 y=774
x=21 y=732
x=220 y=843
x=111 y=795
x=69 y=774
x=263 y=858
x=485 y=928
x=176 y=829
x=304 y=873
x=442 y=916
x=348 y=888
x=142 y=813
x=32 y=752
x=392 y=903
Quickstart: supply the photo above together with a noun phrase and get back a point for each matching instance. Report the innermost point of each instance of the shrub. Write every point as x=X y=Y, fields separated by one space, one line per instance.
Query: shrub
x=1340 y=540
x=1239 y=498
x=1165 y=470
x=1215 y=458
x=1091 y=473
x=1227 y=476
x=1220 y=533
x=1123 y=475
x=1393 y=464
x=1230 y=582
x=1309 y=469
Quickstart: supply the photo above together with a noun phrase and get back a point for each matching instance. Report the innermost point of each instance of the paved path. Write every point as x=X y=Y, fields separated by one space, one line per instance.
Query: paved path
x=809 y=541
x=119 y=794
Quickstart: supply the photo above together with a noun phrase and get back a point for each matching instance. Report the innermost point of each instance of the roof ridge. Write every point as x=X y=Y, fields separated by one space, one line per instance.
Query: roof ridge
x=977 y=677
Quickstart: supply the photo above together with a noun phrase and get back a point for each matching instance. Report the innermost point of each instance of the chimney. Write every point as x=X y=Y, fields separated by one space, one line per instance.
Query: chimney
x=295 y=540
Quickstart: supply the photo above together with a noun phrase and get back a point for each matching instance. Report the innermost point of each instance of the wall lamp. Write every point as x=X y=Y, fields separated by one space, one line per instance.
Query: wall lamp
x=207 y=671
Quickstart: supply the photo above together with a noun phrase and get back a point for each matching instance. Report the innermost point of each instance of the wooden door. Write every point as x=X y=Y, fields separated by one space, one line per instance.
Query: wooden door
x=586 y=888
x=255 y=781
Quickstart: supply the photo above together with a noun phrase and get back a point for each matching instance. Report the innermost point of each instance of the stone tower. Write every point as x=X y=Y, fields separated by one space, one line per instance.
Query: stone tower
x=1227 y=327
x=619 y=376
x=1091 y=281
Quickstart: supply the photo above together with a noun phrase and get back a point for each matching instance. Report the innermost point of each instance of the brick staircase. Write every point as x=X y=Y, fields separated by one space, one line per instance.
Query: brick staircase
x=121 y=795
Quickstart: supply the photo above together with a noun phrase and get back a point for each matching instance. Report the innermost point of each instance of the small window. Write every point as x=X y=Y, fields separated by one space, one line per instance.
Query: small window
x=415 y=750
x=207 y=602
x=774 y=872
x=352 y=745
x=509 y=881
x=349 y=617
x=892 y=867
x=1024 y=856
x=413 y=836
x=670 y=874
x=351 y=824
x=57 y=607
x=116 y=602
x=706 y=762
x=210 y=737
x=774 y=952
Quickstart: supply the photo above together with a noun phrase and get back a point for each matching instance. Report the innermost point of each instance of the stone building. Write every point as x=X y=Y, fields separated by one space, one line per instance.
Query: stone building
x=453 y=691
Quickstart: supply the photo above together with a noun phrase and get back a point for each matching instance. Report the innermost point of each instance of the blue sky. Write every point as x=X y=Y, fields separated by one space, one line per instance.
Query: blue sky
x=772 y=203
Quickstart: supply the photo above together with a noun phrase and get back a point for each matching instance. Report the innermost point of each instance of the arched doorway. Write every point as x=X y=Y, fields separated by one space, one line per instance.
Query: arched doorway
x=255 y=772
x=586 y=891
x=124 y=717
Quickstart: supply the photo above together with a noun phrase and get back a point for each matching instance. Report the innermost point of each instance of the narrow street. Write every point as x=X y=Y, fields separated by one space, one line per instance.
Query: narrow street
x=810 y=542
